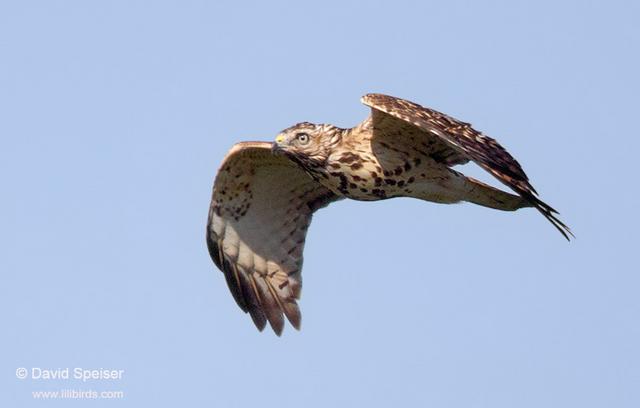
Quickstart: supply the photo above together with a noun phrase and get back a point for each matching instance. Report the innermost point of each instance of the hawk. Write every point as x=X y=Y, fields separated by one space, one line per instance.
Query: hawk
x=265 y=194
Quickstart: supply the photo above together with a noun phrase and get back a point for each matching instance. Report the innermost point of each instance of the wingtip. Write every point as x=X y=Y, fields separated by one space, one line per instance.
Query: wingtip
x=277 y=328
x=292 y=312
x=550 y=214
x=560 y=226
x=258 y=318
x=568 y=234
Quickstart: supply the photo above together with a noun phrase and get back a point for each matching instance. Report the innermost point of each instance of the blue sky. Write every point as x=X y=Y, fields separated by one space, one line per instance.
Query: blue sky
x=115 y=116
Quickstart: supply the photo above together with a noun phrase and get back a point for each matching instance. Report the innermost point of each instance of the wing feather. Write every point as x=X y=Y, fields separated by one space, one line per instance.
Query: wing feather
x=260 y=210
x=467 y=142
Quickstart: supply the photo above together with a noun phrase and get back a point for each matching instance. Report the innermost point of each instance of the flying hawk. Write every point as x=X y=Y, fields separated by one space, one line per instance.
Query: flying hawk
x=265 y=194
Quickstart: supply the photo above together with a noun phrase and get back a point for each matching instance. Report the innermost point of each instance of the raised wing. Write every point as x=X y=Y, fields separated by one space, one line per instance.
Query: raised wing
x=261 y=207
x=461 y=143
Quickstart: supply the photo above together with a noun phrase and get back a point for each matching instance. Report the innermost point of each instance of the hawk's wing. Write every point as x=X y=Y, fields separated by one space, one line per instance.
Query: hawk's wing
x=260 y=211
x=458 y=143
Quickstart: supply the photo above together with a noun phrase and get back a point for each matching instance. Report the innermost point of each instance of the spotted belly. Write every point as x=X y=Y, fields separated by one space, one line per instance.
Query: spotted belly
x=367 y=179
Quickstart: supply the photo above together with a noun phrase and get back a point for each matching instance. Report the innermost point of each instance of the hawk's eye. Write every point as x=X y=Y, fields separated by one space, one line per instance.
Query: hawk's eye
x=302 y=138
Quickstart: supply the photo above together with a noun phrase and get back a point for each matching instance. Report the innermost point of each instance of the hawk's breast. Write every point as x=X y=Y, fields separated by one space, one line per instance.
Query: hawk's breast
x=361 y=175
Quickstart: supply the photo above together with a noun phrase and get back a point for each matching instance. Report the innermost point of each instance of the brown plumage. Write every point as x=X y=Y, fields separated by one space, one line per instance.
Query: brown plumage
x=265 y=194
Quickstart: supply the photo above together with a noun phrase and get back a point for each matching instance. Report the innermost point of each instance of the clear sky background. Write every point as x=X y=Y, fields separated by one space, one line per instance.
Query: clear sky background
x=115 y=115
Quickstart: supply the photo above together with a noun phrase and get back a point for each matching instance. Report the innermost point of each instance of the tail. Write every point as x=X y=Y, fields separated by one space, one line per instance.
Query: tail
x=483 y=194
x=457 y=187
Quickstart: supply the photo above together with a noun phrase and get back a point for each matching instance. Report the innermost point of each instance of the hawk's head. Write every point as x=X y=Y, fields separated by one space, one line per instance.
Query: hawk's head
x=308 y=144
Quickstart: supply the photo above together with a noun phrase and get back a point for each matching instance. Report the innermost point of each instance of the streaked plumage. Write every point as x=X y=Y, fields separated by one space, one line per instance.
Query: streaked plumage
x=265 y=193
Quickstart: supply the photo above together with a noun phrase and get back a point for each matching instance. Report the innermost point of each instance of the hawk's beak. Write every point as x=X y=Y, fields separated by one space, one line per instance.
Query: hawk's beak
x=276 y=146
